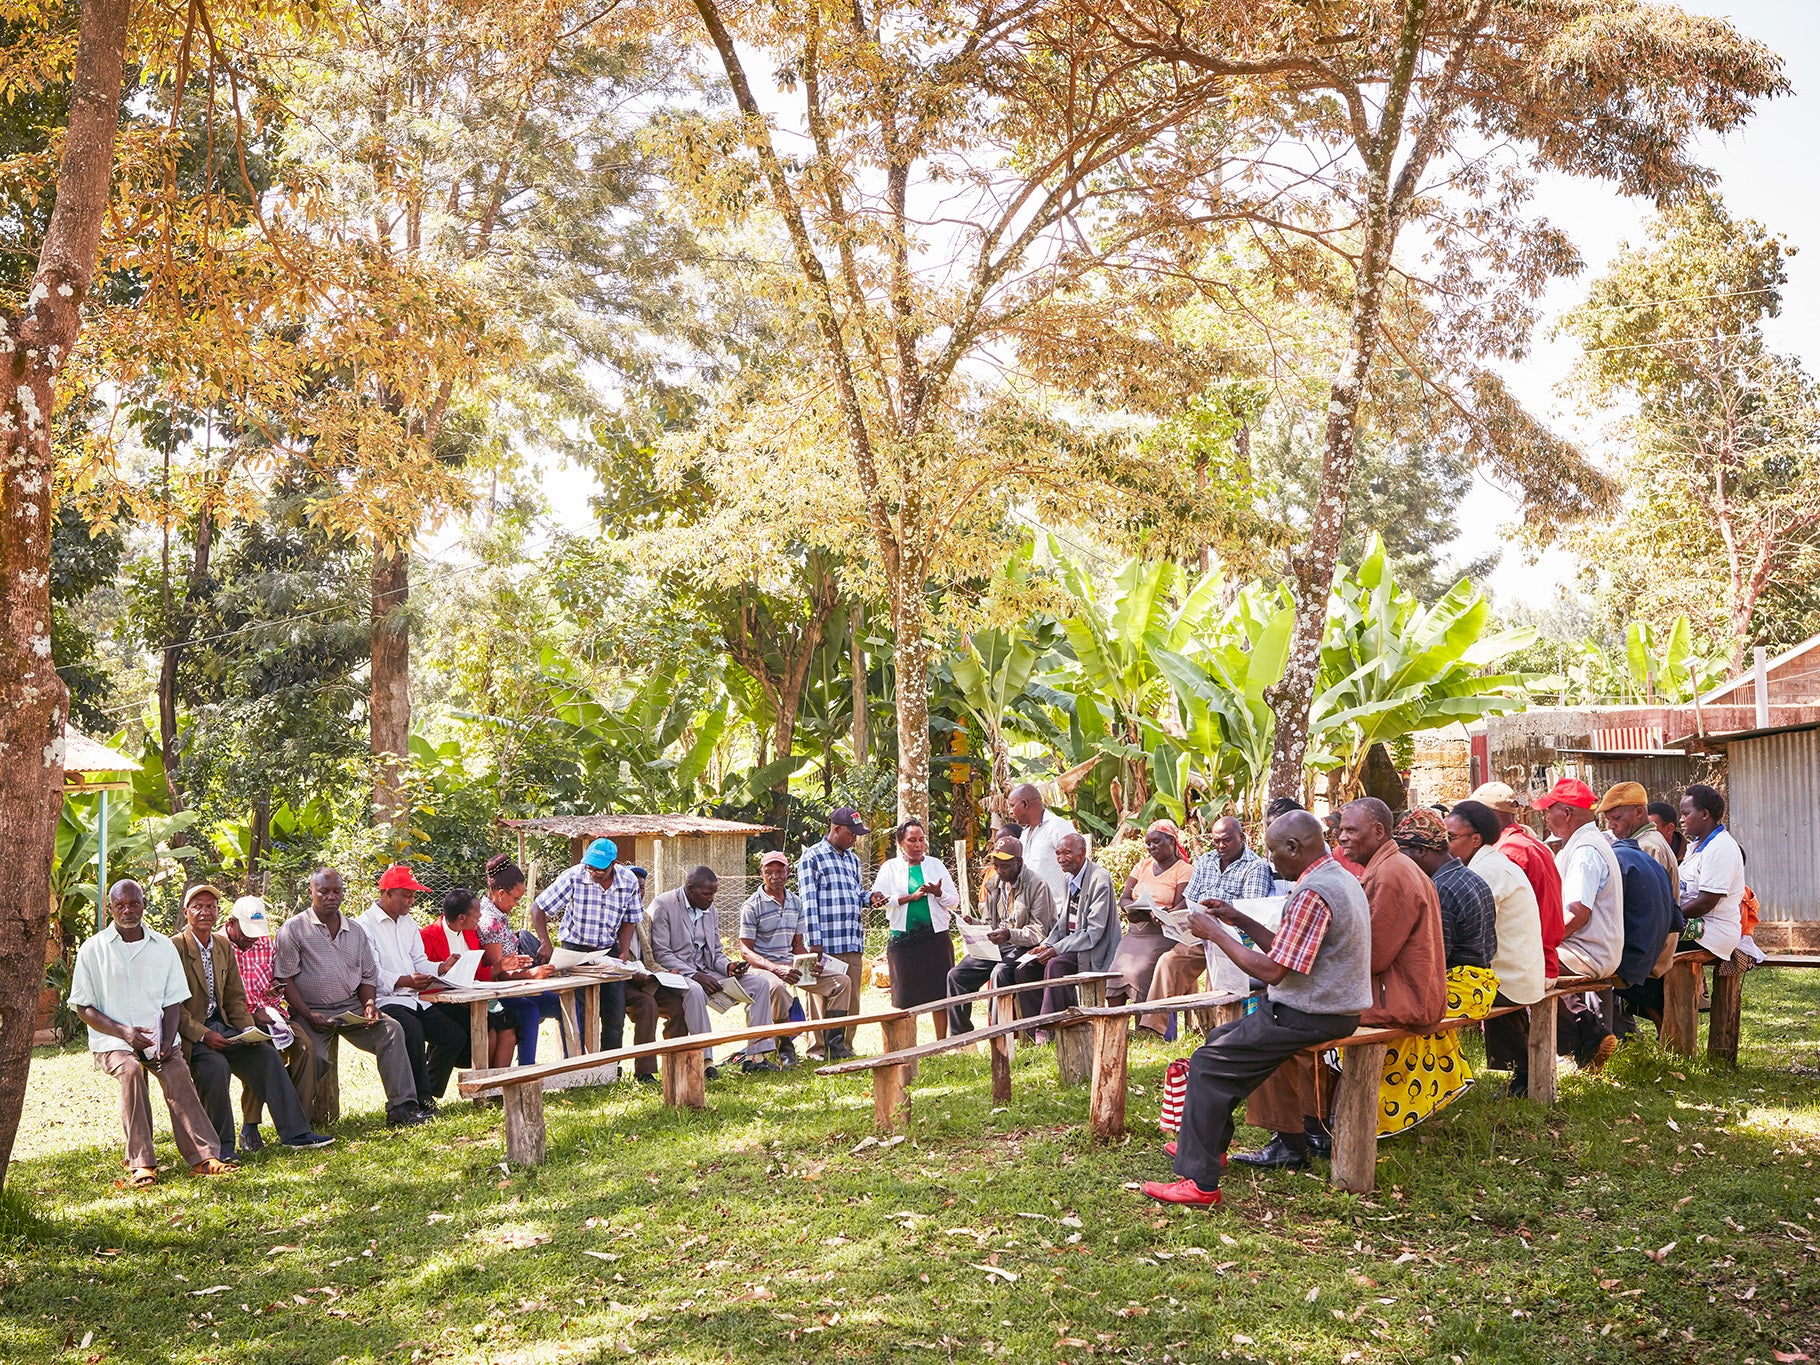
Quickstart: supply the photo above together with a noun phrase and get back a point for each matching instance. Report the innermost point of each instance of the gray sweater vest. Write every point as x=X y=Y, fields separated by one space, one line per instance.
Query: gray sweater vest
x=1340 y=980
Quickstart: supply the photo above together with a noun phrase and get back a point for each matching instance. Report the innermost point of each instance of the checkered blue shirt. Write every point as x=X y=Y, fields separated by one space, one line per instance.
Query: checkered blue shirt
x=591 y=916
x=1248 y=878
x=834 y=893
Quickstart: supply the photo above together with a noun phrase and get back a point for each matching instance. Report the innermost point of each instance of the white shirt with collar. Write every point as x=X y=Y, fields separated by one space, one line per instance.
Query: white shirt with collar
x=131 y=983
x=397 y=951
x=1040 y=842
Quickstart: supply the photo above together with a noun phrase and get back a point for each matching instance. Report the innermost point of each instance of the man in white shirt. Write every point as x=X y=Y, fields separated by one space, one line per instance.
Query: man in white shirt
x=430 y=1035
x=128 y=986
x=1043 y=832
x=1712 y=874
x=1592 y=910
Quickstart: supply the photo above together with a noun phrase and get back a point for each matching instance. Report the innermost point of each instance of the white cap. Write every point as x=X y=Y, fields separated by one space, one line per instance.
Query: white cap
x=249 y=912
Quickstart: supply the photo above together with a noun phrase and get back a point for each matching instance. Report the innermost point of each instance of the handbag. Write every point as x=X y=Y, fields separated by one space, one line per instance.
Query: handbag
x=1175 y=1095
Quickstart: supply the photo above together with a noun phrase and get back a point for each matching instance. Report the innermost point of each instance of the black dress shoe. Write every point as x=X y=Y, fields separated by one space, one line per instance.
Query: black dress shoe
x=1319 y=1144
x=1273 y=1155
x=711 y=1071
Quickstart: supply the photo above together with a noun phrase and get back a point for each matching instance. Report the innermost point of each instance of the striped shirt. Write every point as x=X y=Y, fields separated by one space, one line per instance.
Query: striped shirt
x=1304 y=925
x=834 y=896
x=591 y=916
x=1248 y=878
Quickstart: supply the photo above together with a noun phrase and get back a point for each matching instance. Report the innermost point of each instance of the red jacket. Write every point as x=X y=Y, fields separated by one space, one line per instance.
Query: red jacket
x=1538 y=864
x=436 y=941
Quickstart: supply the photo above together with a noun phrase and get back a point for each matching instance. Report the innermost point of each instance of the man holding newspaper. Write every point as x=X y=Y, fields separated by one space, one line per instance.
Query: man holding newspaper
x=685 y=943
x=1019 y=912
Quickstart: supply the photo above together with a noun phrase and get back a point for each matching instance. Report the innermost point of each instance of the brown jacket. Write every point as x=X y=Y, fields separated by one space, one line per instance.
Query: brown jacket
x=1408 y=956
x=230 y=993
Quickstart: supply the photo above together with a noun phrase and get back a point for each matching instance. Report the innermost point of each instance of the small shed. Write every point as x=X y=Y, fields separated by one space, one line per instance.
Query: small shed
x=665 y=845
x=1773 y=809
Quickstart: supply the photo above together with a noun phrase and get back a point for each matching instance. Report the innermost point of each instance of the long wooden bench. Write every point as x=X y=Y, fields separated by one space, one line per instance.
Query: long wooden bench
x=683 y=1064
x=1725 y=1015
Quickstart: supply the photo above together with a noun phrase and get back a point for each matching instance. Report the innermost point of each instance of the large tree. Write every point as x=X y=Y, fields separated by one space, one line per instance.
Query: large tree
x=1389 y=149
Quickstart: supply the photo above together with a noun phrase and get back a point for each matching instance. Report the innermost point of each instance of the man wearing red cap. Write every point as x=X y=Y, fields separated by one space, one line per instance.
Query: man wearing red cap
x=435 y=1039
x=1592 y=907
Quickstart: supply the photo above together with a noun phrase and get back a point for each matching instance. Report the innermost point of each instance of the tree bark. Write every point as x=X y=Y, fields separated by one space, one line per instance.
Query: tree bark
x=178 y=628
x=34 y=346
x=912 y=662
x=862 y=717
x=389 y=721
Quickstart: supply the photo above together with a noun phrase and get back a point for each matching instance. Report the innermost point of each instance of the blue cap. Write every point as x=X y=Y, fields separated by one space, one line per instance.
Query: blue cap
x=601 y=853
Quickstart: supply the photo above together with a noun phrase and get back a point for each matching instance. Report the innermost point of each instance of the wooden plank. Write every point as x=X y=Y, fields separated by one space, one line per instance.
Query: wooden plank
x=1681 y=1006
x=1725 y=1023
x=500 y=990
x=1001 y=1067
x=952 y=1043
x=490 y=1085
x=1106 y=1098
x=685 y=1079
x=1789 y=960
x=890 y=1099
x=524 y=1124
x=1544 y=1085
x=1355 y=1118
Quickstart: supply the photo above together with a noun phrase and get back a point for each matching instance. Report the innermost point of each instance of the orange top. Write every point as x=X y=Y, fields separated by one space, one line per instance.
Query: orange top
x=1167 y=886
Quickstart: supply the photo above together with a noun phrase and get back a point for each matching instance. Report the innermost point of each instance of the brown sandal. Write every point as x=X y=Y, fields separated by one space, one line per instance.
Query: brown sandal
x=214 y=1166
x=142 y=1178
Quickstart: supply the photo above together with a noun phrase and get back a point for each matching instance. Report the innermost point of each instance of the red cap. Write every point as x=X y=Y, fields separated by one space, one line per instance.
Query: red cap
x=399 y=875
x=1569 y=791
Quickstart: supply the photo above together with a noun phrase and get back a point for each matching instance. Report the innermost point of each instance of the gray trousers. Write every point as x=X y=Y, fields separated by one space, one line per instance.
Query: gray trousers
x=262 y=1073
x=385 y=1040
x=697 y=1018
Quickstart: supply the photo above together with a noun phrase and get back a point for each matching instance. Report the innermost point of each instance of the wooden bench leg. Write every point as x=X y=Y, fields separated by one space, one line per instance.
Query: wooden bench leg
x=1725 y=1023
x=1681 y=1007
x=1543 y=1087
x=898 y=1035
x=524 y=1124
x=1074 y=1054
x=1228 y=1014
x=890 y=1098
x=571 y=1034
x=685 y=1079
x=1092 y=993
x=1355 y=1118
x=1001 y=1068
x=590 y=1018
x=1106 y=1102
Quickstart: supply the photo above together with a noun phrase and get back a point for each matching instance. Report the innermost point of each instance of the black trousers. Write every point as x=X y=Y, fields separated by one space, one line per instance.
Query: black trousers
x=1507 y=1041
x=436 y=1038
x=1578 y=1029
x=1234 y=1061
x=645 y=1002
x=261 y=1071
x=1059 y=997
x=971 y=974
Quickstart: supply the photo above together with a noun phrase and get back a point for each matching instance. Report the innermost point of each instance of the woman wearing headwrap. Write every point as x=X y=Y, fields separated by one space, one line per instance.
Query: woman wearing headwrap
x=1160 y=879
x=1424 y=1075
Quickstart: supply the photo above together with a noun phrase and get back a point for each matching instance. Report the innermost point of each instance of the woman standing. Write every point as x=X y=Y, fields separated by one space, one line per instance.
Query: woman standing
x=506 y=887
x=1164 y=876
x=920 y=893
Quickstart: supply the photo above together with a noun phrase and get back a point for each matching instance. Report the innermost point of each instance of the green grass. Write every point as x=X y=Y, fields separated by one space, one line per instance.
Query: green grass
x=755 y=1232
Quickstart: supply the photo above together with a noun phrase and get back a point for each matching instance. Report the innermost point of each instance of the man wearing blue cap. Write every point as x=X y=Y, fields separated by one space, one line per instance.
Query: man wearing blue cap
x=599 y=905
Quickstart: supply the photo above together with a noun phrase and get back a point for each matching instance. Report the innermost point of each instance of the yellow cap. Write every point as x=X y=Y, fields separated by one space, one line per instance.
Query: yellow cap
x=1623 y=794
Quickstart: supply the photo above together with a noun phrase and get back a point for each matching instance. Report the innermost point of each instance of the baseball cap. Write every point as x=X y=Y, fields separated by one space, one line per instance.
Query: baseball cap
x=1569 y=791
x=1497 y=795
x=1623 y=794
x=201 y=888
x=601 y=853
x=398 y=877
x=846 y=815
x=774 y=857
x=249 y=913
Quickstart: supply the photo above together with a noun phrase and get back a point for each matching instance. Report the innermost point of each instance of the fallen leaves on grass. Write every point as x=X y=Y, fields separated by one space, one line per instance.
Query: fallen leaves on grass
x=1008 y=1276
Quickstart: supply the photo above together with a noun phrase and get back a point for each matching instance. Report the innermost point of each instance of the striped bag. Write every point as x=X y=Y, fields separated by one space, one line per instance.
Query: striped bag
x=1175 y=1094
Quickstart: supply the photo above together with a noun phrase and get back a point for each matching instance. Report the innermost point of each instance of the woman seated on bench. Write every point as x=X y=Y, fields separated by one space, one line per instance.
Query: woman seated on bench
x=460 y=923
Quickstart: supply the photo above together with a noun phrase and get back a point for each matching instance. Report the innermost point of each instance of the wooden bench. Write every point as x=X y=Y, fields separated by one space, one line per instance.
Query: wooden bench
x=684 y=1066
x=568 y=991
x=1725 y=1016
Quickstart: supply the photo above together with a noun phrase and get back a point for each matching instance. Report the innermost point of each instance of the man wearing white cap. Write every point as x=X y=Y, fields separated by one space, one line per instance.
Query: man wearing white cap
x=249 y=931
x=212 y=1023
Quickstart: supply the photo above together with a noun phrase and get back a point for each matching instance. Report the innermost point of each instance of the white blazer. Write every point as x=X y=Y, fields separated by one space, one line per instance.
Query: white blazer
x=893 y=880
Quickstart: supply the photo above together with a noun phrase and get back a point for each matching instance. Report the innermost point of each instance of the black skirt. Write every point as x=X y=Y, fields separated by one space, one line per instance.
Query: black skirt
x=920 y=961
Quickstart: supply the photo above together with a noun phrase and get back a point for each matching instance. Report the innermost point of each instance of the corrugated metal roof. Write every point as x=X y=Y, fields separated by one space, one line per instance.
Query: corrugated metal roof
x=84 y=755
x=633 y=826
x=1773 y=795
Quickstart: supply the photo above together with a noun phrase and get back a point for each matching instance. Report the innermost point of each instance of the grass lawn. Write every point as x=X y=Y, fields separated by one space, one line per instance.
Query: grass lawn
x=1664 y=1211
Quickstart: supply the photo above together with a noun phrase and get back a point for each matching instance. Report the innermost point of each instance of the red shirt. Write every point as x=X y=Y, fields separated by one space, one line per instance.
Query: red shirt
x=1538 y=864
x=1338 y=854
x=436 y=941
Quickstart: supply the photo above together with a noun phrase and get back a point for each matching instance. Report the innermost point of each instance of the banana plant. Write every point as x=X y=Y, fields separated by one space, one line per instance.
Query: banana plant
x=1389 y=667
x=991 y=675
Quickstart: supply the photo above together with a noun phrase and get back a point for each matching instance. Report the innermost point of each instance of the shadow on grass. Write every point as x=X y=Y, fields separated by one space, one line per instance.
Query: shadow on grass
x=754 y=1230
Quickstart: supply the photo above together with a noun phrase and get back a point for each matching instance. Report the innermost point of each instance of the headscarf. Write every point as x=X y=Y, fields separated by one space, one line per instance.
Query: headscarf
x=1175 y=836
x=1421 y=828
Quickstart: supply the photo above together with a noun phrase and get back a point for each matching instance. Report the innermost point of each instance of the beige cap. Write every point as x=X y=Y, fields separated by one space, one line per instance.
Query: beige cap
x=1623 y=794
x=1499 y=796
x=201 y=889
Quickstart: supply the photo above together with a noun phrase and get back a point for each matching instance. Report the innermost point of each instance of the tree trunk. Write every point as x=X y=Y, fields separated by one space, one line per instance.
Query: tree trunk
x=783 y=743
x=34 y=346
x=912 y=663
x=862 y=717
x=390 y=709
x=178 y=628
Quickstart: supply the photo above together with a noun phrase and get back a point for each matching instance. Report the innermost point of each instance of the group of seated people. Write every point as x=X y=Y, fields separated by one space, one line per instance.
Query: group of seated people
x=1428 y=915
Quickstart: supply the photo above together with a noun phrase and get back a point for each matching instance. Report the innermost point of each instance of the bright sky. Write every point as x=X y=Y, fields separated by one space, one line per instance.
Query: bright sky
x=1765 y=174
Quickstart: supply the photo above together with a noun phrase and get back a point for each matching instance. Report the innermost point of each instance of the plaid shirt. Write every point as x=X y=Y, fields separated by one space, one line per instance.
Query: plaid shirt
x=1304 y=927
x=1248 y=878
x=591 y=917
x=834 y=894
x=255 y=963
x=1469 y=915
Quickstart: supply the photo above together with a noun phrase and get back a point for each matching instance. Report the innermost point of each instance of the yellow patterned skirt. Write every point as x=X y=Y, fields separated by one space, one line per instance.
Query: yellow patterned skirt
x=1422 y=1076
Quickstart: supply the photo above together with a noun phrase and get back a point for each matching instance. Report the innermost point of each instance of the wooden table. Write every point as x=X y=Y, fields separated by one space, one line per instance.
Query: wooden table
x=480 y=996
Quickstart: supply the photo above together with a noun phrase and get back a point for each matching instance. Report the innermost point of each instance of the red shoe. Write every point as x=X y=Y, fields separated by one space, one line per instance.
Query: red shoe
x=1169 y=1150
x=1182 y=1192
